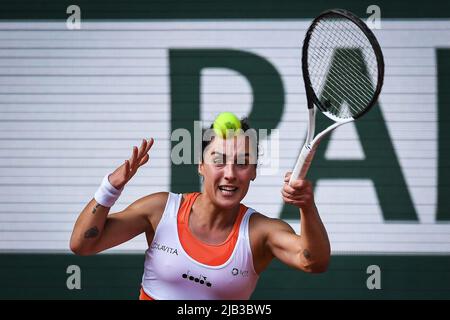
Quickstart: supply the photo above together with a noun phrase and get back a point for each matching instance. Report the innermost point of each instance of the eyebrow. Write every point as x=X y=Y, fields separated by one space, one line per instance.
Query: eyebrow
x=221 y=154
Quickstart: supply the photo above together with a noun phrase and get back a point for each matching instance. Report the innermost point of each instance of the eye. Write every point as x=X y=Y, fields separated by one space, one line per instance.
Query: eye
x=218 y=161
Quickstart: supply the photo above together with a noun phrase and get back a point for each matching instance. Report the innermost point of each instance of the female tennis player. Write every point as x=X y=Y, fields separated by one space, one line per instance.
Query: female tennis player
x=204 y=245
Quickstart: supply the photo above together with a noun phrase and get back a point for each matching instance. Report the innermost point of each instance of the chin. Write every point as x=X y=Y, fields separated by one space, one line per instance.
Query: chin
x=227 y=201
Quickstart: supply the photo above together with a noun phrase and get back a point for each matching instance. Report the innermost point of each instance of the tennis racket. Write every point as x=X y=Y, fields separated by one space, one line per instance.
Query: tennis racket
x=343 y=71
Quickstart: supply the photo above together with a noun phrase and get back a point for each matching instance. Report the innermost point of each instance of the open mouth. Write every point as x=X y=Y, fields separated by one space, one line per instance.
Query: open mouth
x=228 y=190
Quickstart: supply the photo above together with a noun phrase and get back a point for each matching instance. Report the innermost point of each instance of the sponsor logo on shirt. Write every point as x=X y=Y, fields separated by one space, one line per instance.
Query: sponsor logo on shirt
x=237 y=272
x=201 y=279
x=161 y=247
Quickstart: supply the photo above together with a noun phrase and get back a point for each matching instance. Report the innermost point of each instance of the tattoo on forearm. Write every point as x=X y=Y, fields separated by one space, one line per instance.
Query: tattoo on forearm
x=91 y=233
x=307 y=254
x=95 y=208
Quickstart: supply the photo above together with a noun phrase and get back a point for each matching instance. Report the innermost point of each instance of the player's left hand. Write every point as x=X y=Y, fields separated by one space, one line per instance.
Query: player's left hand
x=300 y=194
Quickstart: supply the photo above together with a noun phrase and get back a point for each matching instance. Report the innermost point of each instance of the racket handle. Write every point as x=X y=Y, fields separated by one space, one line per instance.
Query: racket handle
x=303 y=163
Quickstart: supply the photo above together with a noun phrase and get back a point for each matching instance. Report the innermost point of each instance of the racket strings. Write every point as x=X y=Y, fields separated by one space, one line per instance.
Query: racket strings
x=366 y=48
x=342 y=67
x=354 y=60
x=361 y=87
x=332 y=91
x=354 y=96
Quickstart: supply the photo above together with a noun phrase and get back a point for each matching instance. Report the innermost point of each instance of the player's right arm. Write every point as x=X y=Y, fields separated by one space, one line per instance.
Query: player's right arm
x=95 y=230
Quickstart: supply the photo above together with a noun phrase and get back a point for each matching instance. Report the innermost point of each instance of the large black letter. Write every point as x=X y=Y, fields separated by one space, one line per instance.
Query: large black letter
x=443 y=180
x=185 y=69
x=380 y=165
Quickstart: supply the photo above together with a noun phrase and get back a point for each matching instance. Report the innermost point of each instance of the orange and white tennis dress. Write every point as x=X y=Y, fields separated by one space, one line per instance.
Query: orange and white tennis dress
x=179 y=266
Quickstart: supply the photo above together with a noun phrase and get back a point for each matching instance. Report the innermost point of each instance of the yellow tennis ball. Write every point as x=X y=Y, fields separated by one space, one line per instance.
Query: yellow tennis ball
x=224 y=123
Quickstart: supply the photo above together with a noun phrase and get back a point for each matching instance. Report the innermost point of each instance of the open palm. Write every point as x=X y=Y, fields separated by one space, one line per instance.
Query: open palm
x=120 y=177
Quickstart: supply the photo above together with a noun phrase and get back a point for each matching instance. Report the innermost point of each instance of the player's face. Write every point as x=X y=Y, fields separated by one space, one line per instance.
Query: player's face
x=228 y=167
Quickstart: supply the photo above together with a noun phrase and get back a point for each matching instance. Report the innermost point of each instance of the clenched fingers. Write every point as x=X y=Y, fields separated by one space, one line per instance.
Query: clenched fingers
x=298 y=186
x=300 y=193
x=298 y=183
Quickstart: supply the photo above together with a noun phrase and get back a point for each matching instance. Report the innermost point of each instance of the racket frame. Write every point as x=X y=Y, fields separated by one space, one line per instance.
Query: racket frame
x=309 y=148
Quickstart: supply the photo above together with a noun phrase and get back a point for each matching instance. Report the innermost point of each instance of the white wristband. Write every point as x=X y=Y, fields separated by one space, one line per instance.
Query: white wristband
x=107 y=194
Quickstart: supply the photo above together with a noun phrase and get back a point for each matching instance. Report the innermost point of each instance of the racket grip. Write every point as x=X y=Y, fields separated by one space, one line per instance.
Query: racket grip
x=303 y=163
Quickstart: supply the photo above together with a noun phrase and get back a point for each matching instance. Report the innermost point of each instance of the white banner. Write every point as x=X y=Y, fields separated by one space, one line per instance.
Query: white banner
x=74 y=102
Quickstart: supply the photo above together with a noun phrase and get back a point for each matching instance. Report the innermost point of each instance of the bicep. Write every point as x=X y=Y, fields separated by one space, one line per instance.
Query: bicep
x=119 y=228
x=129 y=223
x=284 y=243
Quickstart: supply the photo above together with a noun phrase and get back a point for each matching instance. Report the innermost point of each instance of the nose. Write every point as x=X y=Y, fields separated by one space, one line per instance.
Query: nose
x=229 y=173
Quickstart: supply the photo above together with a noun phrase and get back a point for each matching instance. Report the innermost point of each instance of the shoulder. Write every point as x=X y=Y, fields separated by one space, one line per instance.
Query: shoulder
x=264 y=228
x=153 y=201
x=152 y=206
x=263 y=223
x=261 y=229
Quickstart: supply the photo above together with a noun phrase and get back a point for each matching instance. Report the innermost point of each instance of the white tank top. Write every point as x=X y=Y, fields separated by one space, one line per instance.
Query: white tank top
x=171 y=274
